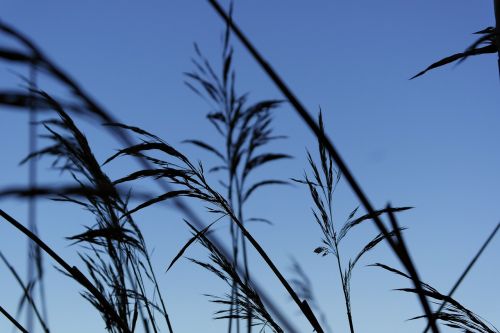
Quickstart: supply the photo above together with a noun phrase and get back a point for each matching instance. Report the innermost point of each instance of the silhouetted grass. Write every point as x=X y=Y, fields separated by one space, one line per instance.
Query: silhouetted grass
x=453 y=314
x=398 y=247
x=489 y=37
x=107 y=309
x=250 y=305
x=321 y=186
x=113 y=249
x=189 y=181
x=12 y=320
x=26 y=297
x=86 y=105
x=245 y=129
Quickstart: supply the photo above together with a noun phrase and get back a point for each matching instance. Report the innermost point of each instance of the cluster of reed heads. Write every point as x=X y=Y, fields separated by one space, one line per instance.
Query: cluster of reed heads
x=116 y=274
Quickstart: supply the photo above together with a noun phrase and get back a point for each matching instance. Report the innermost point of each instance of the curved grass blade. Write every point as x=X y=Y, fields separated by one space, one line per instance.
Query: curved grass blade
x=93 y=107
x=71 y=271
x=306 y=117
x=262 y=159
x=26 y=293
x=163 y=197
x=261 y=184
x=155 y=173
x=458 y=56
x=467 y=270
x=139 y=148
x=198 y=235
x=350 y=224
x=206 y=146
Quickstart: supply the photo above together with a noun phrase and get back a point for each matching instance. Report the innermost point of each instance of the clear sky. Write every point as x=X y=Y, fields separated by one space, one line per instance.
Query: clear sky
x=432 y=143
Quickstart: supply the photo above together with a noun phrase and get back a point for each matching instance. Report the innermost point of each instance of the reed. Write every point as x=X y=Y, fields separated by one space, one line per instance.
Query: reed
x=117 y=273
x=245 y=129
x=321 y=185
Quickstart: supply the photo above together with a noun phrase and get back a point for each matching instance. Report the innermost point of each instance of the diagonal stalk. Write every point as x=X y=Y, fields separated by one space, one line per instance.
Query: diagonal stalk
x=104 y=116
x=12 y=320
x=398 y=248
x=72 y=270
x=302 y=305
x=465 y=272
x=26 y=293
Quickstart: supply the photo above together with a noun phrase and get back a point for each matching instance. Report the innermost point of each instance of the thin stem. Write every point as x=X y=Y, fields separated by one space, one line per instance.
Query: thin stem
x=496 y=4
x=244 y=249
x=400 y=251
x=26 y=292
x=72 y=270
x=34 y=255
x=138 y=281
x=233 y=308
x=12 y=320
x=157 y=287
x=124 y=137
x=465 y=272
x=307 y=313
x=401 y=245
x=344 y=289
x=339 y=264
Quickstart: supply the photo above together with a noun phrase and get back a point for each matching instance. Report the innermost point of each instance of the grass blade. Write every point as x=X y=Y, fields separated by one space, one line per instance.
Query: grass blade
x=12 y=320
x=189 y=242
x=306 y=117
x=71 y=270
x=466 y=271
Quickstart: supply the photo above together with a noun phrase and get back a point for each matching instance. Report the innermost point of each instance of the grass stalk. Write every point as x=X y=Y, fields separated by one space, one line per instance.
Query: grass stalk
x=345 y=289
x=194 y=185
x=71 y=270
x=12 y=320
x=35 y=273
x=465 y=272
x=398 y=249
x=26 y=294
x=322 y=184
x=245 y=129
x=496 y=6
x=95 y=109
x=303 y=307
x=345 y=292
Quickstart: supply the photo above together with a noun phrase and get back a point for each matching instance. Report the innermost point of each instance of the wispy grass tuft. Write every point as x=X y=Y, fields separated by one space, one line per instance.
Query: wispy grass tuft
x=454 y=314
x=245 y=296
x=118 y=260
x=189 y=180
x=84 y=104
x=113 y=249
x=245 y=130
x=322 y=184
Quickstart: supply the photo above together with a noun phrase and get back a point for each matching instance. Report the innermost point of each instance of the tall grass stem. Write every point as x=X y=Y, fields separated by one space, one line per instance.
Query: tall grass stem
x=71 y=270
x=465 y=272
x=123 y=137
x=12 y=320
x=306 y=117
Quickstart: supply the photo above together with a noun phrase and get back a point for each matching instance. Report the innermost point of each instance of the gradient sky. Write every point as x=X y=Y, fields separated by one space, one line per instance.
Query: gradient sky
x=432 y=143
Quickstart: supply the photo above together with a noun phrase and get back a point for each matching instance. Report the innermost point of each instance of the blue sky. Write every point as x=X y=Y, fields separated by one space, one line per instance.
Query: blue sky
x=431 y=143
